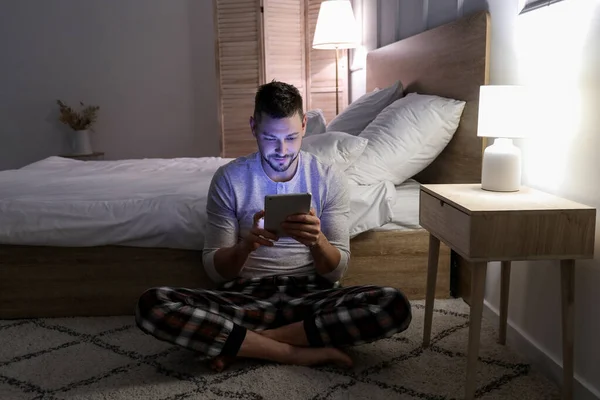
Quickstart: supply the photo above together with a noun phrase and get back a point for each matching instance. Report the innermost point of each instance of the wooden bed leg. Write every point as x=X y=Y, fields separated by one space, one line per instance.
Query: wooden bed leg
x=432 y=267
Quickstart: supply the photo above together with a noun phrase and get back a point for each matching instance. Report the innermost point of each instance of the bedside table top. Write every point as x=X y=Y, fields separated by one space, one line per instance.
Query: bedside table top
x=471 y=198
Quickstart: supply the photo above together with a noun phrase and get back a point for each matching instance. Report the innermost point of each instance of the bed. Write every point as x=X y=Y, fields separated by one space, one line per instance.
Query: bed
x=96 y=269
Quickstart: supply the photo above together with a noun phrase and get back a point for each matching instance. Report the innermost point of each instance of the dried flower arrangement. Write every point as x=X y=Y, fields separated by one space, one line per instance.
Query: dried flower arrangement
x=78 y=120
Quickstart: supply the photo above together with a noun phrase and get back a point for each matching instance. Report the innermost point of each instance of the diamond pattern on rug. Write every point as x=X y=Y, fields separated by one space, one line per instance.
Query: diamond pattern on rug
x=536 y=389
x=109 y=358
x=140 y=381
x=296 y=382
x=366 y=391
x=220 y=394
x=443 y=320
x=66 y=367
x=488 y=345
x=91 y=325
x=12 y=392
x=129 y=340
x=9 y=322
x=26 y=340
x=421 y=374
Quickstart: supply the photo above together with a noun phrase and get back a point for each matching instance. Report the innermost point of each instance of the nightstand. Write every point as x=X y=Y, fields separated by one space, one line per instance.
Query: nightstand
x=484 y=226
x=97 y=155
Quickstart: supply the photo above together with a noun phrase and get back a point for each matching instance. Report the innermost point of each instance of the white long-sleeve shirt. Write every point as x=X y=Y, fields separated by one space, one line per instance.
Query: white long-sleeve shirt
x=237 y=192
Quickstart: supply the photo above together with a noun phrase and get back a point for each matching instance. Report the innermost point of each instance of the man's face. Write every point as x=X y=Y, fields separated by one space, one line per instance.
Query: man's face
x=279 y=141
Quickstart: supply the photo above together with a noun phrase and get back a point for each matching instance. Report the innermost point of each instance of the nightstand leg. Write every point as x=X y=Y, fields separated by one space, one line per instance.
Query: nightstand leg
x=432 y=267
x=477 y=291
x=504 y=290
x=567 y=278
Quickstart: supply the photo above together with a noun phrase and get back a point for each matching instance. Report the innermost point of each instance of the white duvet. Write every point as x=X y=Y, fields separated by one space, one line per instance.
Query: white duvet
x=145 y=203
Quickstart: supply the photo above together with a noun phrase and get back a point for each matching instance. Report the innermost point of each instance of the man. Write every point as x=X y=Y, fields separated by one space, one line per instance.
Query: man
x=278 y=299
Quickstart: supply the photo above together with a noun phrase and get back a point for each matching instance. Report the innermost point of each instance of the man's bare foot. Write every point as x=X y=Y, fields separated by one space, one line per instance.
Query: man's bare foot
x=321 y=355
x=220 y=363
x=265 y=348
x=304 y=356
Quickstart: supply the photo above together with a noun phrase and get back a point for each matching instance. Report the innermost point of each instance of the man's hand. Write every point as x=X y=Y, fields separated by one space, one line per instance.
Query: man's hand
x=258 y=236
x=229 y=261
x=305 y=228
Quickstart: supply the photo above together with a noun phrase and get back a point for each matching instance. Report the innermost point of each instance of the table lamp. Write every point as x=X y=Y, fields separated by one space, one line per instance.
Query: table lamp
x=502 y=115
x=336 y=29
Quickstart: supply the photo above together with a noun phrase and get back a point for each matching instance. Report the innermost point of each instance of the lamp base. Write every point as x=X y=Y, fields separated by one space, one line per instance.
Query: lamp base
x=501 y=168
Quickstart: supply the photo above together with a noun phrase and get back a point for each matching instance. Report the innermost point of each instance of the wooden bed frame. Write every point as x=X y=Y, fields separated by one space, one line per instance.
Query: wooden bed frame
x=450 y=61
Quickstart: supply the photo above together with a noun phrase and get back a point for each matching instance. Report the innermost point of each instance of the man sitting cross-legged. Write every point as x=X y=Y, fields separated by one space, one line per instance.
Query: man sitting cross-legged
x=277 y=299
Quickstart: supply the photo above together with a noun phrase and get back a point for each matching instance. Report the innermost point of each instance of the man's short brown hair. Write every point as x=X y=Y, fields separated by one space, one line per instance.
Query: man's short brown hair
x=277 y=100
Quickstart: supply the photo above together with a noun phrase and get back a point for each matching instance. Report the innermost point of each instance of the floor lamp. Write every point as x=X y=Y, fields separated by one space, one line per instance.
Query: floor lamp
x=336 y=30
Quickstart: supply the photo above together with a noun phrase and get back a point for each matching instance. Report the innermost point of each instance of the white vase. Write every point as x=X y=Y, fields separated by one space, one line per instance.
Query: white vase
x=81 y=143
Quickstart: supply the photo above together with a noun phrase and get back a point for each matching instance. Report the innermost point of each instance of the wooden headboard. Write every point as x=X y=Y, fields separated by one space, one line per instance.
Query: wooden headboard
x=449 y=61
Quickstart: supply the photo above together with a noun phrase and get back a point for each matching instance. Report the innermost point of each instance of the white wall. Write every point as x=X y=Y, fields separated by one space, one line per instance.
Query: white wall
x=365 y=12
x=562 y=159
x=149 y=65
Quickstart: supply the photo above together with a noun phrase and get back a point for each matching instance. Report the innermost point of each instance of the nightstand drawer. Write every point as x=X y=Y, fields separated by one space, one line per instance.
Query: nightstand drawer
x=533 y=234
x=444 y=221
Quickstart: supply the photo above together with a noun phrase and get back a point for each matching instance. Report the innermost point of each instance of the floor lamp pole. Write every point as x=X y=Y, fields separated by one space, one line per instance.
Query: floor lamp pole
x=337 y=106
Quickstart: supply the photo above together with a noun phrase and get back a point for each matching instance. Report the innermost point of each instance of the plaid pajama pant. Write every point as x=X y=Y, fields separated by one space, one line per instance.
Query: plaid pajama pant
x=214 y=322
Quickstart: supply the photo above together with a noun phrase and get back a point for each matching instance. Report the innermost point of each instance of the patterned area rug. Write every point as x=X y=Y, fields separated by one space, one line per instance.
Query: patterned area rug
x=109 y=358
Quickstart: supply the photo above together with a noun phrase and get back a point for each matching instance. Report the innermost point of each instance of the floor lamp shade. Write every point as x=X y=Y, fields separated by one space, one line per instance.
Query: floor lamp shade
x=336 y=26
x=336 y=29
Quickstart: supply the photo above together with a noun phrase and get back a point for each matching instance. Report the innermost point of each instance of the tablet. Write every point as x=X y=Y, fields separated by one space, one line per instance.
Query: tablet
x=280 y=206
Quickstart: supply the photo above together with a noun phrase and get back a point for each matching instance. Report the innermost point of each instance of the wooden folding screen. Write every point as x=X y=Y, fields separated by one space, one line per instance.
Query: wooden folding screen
x=239 y=66
x=258 y=41
x=283 y=37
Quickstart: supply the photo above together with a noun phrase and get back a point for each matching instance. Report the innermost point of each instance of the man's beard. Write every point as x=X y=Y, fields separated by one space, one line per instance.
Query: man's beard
x=278 y=167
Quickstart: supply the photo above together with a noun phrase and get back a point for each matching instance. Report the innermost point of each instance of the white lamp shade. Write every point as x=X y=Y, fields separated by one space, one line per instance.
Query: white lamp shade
x=503 y=112
x=336 y=26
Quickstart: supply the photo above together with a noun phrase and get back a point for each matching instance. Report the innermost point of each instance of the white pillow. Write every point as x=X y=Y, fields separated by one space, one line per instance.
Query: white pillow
x=405 y=138
x=315 y=122
x=337 y=148
x=354 y=118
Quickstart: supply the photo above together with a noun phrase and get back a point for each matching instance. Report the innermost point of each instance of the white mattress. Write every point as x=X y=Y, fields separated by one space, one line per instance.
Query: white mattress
x=148 y=203
x=405 y=210
x=145 y=203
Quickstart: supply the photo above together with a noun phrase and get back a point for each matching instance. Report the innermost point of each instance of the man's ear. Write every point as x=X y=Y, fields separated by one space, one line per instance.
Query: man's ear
x=304 y=119
x=253 y=126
